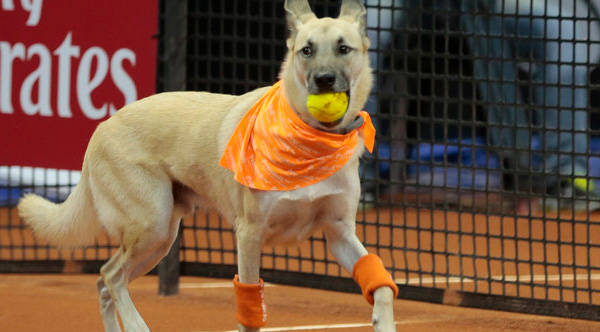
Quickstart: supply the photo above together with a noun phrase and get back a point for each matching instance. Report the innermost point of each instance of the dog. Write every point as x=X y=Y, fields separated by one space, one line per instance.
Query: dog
x=156 y=160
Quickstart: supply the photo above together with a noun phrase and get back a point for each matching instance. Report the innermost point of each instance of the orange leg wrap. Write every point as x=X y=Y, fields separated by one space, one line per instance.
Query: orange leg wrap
x=250 y=301
x=370 y=274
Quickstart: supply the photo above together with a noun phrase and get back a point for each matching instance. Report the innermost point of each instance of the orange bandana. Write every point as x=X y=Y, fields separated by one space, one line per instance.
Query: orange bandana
x=273 y=149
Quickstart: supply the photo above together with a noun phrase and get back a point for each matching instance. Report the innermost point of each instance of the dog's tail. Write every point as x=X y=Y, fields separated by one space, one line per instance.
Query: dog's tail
x=72 y=223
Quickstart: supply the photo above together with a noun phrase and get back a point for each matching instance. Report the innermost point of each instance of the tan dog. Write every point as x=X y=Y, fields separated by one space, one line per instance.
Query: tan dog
x=157 y=158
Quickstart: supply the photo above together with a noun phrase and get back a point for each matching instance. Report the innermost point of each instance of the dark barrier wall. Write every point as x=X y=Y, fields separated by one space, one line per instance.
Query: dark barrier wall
x=483 y=189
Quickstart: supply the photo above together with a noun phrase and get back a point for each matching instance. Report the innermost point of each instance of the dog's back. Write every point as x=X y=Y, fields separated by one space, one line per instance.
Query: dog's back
x=164 y=136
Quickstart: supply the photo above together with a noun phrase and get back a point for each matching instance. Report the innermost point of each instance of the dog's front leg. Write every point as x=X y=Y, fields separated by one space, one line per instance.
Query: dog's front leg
x=353 y=256
x=249 y=288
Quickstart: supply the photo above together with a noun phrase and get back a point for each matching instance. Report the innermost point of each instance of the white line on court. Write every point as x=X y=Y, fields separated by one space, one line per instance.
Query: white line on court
x=328 y=326
x=224 y=284
x=199 y=285
x=508 y=278
x=309 y=327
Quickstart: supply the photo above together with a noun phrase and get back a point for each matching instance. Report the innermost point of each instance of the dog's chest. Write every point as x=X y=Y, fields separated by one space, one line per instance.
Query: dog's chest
x=290 y=217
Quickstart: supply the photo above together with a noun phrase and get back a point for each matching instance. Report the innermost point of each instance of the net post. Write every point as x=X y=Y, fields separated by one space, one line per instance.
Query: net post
x=175 y=41
x=174 y=79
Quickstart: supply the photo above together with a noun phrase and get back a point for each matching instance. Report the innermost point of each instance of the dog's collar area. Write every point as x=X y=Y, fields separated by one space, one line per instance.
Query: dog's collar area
x=356 y=123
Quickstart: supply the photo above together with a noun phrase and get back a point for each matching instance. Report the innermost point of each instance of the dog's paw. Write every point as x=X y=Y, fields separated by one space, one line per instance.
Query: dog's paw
x=383 y=310
x=242 y=328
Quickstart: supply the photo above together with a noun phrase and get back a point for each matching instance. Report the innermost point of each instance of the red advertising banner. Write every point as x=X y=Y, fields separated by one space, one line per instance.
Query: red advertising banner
x=65 y=66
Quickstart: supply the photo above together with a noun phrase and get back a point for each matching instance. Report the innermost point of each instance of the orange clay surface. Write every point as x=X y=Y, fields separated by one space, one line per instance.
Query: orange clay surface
x=68 y=303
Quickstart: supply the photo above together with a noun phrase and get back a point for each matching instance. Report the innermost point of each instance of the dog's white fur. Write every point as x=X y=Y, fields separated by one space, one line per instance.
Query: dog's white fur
x=157 y=158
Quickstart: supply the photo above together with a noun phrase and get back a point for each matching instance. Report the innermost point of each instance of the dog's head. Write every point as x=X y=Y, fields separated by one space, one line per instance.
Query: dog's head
x=327 y=55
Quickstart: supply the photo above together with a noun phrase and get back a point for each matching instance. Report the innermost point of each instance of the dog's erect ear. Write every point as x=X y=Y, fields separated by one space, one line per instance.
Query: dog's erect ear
x=297 y=12
x=354 y=11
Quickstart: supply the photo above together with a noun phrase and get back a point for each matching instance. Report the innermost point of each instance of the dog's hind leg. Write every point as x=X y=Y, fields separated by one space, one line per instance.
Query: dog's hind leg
x=107 y=308
x=159 y=253
x=116 y=275
x=129 y=263
x=142 y=217
x=136 y=204
x=115 y=280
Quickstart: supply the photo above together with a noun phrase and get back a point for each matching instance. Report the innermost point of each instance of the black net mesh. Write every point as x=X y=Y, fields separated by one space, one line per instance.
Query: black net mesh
x=484 y=175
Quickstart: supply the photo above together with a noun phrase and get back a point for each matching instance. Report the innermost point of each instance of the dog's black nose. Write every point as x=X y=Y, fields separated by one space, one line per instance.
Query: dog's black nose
x=325 y=81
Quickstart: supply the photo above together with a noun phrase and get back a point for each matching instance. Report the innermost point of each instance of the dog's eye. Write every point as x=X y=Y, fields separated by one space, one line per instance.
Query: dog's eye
x=306 y=51
x=344 y=49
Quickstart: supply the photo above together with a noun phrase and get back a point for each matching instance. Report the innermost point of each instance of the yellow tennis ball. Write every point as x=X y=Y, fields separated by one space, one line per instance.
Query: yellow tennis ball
x=584 y=184
x=327 y=107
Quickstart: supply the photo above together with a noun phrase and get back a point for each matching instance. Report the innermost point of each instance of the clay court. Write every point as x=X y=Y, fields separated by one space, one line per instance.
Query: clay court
x=68 y=302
